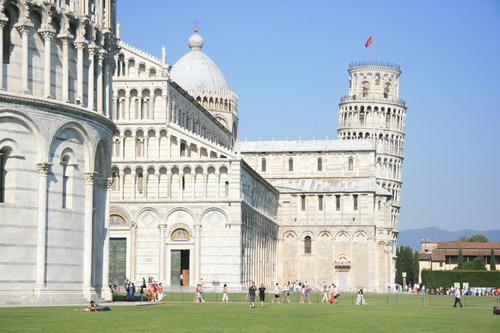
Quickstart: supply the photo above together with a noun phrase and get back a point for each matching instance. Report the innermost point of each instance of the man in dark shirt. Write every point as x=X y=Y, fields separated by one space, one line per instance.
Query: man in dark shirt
x=262 y=293
x=251 y=293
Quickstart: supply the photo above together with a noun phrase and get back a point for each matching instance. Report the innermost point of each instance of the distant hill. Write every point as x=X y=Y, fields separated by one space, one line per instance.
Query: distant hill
x=413 y=237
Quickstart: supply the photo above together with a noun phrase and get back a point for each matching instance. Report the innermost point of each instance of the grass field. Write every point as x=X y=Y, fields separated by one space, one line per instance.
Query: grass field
x=408 y=316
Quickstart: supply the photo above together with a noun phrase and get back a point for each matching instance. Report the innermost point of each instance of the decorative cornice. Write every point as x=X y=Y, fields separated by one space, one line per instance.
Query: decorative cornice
x=51 y=104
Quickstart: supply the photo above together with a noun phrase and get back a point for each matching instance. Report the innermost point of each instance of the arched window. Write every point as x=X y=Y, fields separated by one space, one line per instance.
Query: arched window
x=320 y=202
x=307 y=245
x=337 y=202
x=116 y=181
x=290 y=164
x=320 y=164
x=3 y=160
x=355 y=201
x=183 y=149
x=140 y=182
x=303 y=202
x=6 y=40
x=351 y=163
x=263 y=164
x=65 y=181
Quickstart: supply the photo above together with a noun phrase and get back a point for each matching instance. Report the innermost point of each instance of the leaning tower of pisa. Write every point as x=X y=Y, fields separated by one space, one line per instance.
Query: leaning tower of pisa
x=373 y=110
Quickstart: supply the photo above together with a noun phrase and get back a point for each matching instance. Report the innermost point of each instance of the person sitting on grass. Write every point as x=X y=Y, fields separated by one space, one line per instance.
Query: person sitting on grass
x=92 y=307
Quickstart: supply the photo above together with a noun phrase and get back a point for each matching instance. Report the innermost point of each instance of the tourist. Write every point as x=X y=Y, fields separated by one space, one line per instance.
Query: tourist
x=251 y=293
x=276 y=293
x=457 y=298
x=262 y=294
x=224 y=294
x=307 y=292
x=130 y=293
x=286 y=293
x=361 y=298
x=303 y=294
x=159 y=291
x=325 y=294
x=141 y=292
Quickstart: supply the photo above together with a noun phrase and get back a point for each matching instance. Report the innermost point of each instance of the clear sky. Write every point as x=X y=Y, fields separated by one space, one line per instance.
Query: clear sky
x=287 y=61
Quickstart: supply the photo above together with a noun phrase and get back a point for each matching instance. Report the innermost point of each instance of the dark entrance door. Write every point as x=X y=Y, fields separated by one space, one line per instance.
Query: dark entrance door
x=179 y=260
x=117 y=259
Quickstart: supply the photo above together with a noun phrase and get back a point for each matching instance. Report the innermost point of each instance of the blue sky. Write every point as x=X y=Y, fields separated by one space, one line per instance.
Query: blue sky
x=287 y=61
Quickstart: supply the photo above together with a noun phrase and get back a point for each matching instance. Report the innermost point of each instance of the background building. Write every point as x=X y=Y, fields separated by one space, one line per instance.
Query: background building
x=55 y=149
x=188 y=197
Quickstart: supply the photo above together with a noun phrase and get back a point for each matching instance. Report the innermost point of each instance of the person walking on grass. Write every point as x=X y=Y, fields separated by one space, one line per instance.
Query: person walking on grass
x=457 y=298
x=224 y=294
x=325 y=294
x=251 y=292
x=276 y=293
x=361 y=298
x=262 y=294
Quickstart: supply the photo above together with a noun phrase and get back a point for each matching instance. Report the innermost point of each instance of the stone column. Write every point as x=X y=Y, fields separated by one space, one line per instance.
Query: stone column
x=158 y=138
x=24 y=27
x=163 y=230
x=3 y=23
x=133 y=250
x=80 y=45
x=41 y=244
x=197 y=253
x=122 y=185
x=105 y=261
x=65 y=66
x=108 y=88
x=134 y=184
x=92 y=52
x=122 y=146
x=47 y=36
x=100 y=90
x=87 y=246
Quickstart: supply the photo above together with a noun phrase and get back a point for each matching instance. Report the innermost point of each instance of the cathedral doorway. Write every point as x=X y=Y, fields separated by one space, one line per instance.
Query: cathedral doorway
x=342 y=279
x=179 y=264
x=118 y=258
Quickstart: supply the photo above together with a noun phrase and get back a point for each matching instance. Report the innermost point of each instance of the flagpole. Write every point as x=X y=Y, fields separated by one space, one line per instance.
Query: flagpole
x=373 y=52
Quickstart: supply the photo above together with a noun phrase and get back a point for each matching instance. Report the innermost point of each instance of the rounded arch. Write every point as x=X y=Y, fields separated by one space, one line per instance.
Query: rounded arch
x=211 y=209
x=28 y=122
x=177 y=210
x=80 y=131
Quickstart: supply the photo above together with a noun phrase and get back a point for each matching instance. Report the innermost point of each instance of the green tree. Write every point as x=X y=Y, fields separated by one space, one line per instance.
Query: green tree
x=492 y=261
x=460 y=260
x=404 y=263
x=474 y=238
x=478 y=263
x=416 y=267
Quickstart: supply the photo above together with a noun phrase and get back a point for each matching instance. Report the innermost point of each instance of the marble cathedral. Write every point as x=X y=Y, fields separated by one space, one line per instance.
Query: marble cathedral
x=188 y=198
x=55 y=149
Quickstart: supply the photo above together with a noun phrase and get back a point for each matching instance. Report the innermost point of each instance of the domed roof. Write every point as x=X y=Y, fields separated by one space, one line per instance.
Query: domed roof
x=196 y=72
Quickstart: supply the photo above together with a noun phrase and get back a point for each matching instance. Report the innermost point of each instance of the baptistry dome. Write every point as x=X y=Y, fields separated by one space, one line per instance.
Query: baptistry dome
x=196 y=72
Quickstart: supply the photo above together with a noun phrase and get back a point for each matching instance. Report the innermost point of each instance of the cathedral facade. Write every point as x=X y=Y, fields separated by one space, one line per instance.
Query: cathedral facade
x=190 y=200
x=55 y=149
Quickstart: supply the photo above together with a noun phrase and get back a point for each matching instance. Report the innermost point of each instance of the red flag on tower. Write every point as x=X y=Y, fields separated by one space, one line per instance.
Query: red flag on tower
x=369 y=41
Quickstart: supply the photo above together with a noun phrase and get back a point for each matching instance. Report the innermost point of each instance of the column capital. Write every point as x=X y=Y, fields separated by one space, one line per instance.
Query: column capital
x=162 y=227
x=24 y=26
x=110 y=182
x=65 y=38
x=80 y=43
x=43 y=168
x=89 y=177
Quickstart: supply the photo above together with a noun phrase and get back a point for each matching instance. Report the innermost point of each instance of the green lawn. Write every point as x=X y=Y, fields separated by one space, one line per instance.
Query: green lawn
x=408 y=316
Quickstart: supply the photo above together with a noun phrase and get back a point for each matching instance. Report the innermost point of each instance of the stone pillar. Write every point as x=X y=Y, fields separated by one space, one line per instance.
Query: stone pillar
x=92 y=52
x=158 y=138
x=87 y=246
x=133 y=251
x=3 y=23
x=163 y=230
x=65 y=66
x=108 y=88
x=41 y=244
x=122 y=185
x=105 y=260
x=80 y=45
x=100 y=90
x=47 y=36
x=197 y=253
x=122 y=147
x=24 y=28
